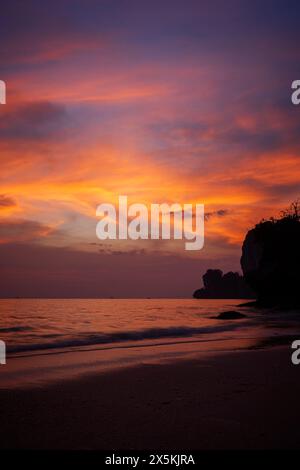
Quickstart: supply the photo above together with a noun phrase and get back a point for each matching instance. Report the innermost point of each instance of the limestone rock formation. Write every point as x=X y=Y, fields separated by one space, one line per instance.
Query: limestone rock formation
x=271 y=260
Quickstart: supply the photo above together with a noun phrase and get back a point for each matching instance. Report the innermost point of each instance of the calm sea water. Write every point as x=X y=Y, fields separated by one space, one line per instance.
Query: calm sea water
x=28 y=325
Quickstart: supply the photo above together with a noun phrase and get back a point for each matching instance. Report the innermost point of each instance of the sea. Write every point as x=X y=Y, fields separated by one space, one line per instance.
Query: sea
x=129 y=331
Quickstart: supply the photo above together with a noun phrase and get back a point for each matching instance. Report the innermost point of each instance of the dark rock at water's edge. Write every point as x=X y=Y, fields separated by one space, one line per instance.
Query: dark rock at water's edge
x=231 y=315
x=271 y=260
x=223 y=286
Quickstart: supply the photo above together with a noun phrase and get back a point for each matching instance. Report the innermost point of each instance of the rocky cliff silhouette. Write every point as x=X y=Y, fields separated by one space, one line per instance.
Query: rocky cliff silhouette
x=223 y=286
x=271 y=259
x=270 y=263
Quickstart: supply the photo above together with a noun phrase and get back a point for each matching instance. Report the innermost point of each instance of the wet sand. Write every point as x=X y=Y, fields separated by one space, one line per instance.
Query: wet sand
x=241 y=400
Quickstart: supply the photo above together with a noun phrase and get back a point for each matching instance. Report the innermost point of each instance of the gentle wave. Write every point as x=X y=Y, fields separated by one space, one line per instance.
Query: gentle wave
x=15 y=329
x=123 y=336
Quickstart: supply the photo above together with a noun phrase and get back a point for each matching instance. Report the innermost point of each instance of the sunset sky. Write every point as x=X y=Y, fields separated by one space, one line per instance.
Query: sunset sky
x=162 y=101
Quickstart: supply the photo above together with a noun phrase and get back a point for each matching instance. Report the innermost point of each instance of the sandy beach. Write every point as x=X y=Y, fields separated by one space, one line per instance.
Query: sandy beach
x=241 y=400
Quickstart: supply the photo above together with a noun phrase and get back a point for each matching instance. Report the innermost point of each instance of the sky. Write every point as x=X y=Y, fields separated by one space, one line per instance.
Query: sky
x=162 y=101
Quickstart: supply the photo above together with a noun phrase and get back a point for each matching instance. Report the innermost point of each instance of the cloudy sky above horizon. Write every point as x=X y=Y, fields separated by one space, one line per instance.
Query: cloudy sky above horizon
x=162 y=101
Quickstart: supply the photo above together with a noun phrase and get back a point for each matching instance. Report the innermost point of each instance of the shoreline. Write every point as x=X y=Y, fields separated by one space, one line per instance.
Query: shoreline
x=241 y=400
x=40 y=368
